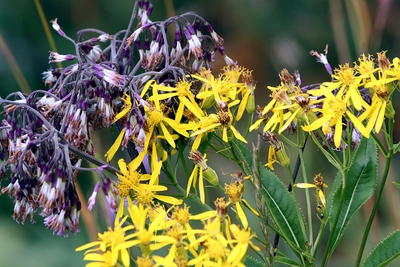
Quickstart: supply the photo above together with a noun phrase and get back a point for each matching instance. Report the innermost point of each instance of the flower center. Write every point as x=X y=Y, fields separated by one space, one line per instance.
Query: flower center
x=345 y=74
x=144 y=196
x=155 y=117
x=183 y=88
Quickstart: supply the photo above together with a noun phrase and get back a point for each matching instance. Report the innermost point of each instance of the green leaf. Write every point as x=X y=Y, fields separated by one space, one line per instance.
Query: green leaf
x=245 y=154
x=250 y=261
x=336 y=186
x=385 y=251
x=396 y=148
x=282 y=208
x=359 y=187
x=286 y=261
x=397 y=184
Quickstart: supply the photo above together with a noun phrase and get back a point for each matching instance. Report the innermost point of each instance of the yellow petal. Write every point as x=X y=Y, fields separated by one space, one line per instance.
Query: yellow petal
x=146 y=87
x=241 y=214
x=179 y=113
x=358 y=124
x=197 y=142
x=256 y=124
x=114 y=148
x=189 y=185
x=190 y=106
x=125 y=258
x=201 y=186
x=225 y=134
x=380 y=119
x=162 y=96
x=167 y=135
x=89 y=245
x=305 y=185
x=168 y=199
x=268 y=107
x=238 y=135
x=204 y=215
x=244 y=201
x=338 y=132
x=135 y=163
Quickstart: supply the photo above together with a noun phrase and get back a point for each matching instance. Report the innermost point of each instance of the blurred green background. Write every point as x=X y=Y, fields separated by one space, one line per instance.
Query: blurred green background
x=264 y=36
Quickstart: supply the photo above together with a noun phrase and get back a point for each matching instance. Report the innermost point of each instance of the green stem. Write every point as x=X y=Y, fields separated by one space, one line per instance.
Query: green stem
x=329 y=147
x=380 y=145
x=319 y=237
x=327 y=253
x=286 y=140
x=303 y=168
x=237 y=159
x=331 y=158
x=303 y=227
x=249 y=125
x=219 y=151
x=183 y=159
x=46 y=28
x=378 y=197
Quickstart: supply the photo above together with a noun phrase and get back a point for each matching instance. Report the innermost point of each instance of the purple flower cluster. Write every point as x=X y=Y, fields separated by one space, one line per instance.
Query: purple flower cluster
x=45 y=136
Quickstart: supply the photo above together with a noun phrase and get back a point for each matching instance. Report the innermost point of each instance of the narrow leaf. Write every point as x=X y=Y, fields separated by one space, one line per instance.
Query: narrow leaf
x=282 y=209
x=396 y=148
x=385 y=251
x=336 y=186
x=286 y=261
x=359 y=187
x=397 y=184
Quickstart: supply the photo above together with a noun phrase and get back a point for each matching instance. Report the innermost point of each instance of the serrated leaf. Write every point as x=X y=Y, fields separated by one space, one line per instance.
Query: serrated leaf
x=250 y=261
x=397 y=184
x=337 y=185
x=245 y=154
x=386 y=251
x=396 y=148
x=282 y=209
x=286 y=261
x=360 y=185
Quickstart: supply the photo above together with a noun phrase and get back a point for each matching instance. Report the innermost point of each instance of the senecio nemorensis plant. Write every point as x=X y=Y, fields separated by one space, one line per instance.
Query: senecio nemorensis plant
x=170 y=110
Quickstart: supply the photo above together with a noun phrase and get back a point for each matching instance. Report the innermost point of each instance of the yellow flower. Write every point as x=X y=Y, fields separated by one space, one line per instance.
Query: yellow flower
x=347 y=82
x=333 y=110
x=203 y=170
x=156 y=117
x=319 y=185
x=224 y=121
x=234 y=190
x=185 y=96
x=106 y=251
x=221 y=89
x=243 y=240
x=271 y=158
x=145 y=193
x=145 y=235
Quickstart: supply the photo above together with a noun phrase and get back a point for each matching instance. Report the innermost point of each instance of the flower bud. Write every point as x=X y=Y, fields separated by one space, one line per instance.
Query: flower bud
x=282 y=156
x=208 y=102
x=211 y=176
x=389 y=111
x=251 y=104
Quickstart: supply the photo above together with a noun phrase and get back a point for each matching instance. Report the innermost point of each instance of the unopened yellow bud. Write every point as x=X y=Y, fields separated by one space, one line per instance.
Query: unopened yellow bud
x=251 y=104
x=208 y=102
x=283 y=157
x=211 y=176
x=230 y=135
x=389 y=111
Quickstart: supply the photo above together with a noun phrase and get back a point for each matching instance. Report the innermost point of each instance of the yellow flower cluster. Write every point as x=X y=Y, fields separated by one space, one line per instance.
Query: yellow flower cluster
x=217 y=243
x=190 y=108
x=333 y=103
